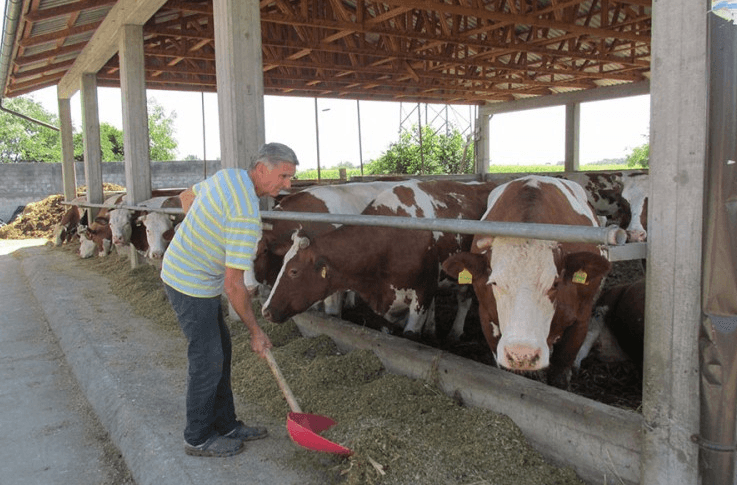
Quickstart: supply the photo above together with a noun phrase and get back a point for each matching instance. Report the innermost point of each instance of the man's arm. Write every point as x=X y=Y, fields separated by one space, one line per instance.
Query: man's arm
x=235 y=290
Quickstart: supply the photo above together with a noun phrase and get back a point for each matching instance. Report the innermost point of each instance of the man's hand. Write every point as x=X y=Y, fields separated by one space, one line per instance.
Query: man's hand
x=187 y=197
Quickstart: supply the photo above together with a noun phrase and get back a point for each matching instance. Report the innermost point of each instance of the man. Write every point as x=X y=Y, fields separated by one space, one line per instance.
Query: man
x=211 y=249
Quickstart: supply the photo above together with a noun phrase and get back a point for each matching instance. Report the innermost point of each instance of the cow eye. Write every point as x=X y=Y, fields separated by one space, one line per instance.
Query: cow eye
x=293 y=273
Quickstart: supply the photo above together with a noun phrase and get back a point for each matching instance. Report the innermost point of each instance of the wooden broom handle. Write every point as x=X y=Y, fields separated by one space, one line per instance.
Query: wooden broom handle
x=282 y=382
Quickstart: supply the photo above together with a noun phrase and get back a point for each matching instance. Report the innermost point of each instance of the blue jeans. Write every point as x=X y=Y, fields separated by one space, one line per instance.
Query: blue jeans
x=210 y=407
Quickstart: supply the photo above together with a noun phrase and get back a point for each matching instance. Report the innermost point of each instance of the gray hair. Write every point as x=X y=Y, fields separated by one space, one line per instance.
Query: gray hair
x=273 y=153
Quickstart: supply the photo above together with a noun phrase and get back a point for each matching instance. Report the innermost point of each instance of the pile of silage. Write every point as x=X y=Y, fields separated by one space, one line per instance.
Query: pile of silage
x=39 y=218
x=402 y=431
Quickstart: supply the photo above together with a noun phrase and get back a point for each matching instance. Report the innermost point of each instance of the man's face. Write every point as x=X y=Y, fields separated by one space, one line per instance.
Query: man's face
x=269 y=181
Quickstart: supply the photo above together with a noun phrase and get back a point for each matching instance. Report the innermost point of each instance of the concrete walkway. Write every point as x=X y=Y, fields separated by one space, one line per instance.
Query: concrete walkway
x=133 y=378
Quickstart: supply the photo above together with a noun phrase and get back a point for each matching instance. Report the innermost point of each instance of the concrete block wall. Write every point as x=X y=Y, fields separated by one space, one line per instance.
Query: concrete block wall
x=23 y=183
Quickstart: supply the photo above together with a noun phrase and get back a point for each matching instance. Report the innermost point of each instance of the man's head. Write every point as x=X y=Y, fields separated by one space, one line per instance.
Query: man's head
x=273 y=169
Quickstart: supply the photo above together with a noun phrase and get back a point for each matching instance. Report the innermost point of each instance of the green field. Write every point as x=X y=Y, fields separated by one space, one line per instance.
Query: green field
x=332 y=173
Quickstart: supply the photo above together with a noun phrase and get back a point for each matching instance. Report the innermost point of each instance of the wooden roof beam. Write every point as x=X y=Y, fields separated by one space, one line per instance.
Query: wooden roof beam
x=104 y=42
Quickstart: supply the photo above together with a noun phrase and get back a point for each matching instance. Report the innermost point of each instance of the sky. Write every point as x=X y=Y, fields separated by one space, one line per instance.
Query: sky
x=609 y=129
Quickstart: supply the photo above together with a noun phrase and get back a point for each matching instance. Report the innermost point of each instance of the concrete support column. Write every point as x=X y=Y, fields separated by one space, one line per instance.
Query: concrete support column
x=240 y=82
x=135 y=114
x=67 y=149
x=678 y=138
x=91 y=136
x=573 y=135
x=483 y=143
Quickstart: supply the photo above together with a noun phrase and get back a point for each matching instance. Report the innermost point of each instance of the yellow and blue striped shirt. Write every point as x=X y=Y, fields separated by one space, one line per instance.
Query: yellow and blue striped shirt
x=222 y=228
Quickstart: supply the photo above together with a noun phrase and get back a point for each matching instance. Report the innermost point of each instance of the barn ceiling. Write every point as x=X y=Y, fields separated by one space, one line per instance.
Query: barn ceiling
x=434 y=51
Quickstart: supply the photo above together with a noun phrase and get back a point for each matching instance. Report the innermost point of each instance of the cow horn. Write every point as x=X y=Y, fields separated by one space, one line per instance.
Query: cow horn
x=266 y=226
x=303 y=243
x=484 y=243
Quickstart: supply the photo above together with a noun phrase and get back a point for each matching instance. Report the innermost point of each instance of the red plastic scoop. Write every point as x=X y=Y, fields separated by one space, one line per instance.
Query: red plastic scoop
x=304 y=428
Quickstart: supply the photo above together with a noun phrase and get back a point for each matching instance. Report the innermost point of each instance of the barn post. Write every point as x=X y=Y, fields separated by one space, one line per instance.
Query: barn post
x=135 y=114
x=483 y=143
x=240 y=81
x=67 y=149
x=135 y=120
x=91 y=137
x=678 y=130
x=573 y=135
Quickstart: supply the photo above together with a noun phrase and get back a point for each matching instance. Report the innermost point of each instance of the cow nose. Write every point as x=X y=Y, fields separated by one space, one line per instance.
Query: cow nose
x=523 y=357
x=636 y=236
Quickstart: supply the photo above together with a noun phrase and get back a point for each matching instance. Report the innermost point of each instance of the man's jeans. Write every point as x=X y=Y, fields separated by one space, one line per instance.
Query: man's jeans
x=210 y=407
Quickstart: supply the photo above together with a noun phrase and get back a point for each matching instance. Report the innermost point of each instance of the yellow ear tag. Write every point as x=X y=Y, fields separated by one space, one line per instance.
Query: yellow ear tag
x=580 y=277
x=464 y=277
x=324 y=272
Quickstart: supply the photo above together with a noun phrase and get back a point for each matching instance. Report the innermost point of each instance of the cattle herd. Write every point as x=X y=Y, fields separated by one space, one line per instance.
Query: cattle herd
x=541 y=305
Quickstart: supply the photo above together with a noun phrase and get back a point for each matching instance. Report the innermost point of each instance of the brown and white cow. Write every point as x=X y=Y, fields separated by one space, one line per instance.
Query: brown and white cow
x=617 y=328
x=535 y=296
x=95 y=239
x=635 y=189
x=394 y=270
x=276 y=238
x=66 y=228
x=159 y=226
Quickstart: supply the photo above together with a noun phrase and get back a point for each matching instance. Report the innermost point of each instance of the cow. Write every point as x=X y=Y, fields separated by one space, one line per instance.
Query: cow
x=95 y=239
x=159 y=226
x=127 y=226
x=617 y=196
x=635 y=187
x=617 y=328
x=535 y=296
x=66 y=228
x=394 y=270
x=276 y=237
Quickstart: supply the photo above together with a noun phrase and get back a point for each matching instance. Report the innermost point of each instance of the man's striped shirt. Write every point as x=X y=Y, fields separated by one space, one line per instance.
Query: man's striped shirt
x=222 y=228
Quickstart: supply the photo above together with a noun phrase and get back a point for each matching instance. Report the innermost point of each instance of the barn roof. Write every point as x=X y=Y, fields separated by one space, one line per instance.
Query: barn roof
x=434 y=51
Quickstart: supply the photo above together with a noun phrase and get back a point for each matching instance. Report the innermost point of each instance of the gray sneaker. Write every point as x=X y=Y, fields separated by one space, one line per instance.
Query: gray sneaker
x=219 y=446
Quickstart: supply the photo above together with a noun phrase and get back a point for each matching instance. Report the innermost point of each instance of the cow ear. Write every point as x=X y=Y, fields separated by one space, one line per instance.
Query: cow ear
x=585 y=268
x=321 y=266
x=474 y=263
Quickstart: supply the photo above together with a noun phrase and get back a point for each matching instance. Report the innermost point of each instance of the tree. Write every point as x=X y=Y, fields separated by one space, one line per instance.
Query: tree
x=640 y=156
x=24 y=140
x=439 y=154
x=111 y=142
x=162 y=144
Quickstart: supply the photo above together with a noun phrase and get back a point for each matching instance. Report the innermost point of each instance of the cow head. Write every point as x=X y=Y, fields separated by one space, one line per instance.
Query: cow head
x=159 y=232
x=95 y=239
x=304 y=279
x=530 y=292
x=121 y=226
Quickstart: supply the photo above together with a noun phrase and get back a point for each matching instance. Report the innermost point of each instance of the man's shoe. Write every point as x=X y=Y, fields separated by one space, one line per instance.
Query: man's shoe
x=218 y=446
x=247 y=433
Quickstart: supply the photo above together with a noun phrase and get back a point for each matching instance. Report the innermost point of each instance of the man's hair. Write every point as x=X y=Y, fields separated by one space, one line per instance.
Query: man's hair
x=273 y=153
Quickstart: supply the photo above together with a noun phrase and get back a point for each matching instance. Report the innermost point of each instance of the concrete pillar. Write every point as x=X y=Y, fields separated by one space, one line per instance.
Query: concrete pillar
x=91 y=136
x=240 y=83
x=67 y=149
x=678 y=137
x=573 y=135
x=483 y=143
x=135 y=114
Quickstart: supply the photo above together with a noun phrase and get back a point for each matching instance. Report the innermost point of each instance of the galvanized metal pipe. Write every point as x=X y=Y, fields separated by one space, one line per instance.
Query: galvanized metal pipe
x=165 y=210
x=611 y=235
